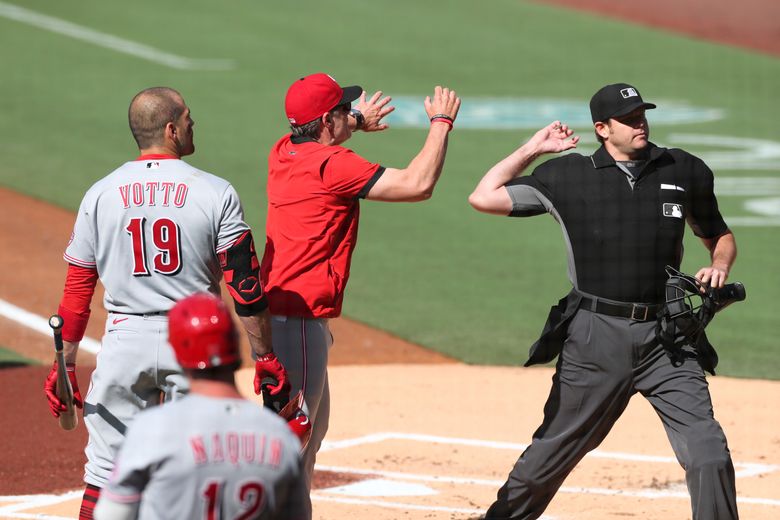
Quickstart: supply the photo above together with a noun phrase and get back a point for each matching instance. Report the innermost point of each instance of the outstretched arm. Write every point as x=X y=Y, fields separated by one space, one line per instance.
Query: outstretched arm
x=416 y=181
x=490 y=196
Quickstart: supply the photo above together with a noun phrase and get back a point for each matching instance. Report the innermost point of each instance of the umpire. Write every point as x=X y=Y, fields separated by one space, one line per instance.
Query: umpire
x=623 y=212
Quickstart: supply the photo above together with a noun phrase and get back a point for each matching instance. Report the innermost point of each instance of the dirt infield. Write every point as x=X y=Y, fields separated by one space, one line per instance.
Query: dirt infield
x=407 y=440
x=753 y=24
x=442 y=450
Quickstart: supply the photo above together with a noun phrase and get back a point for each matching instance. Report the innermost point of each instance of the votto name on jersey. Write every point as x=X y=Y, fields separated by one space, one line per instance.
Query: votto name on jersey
x=152 y=193
x=236 y=448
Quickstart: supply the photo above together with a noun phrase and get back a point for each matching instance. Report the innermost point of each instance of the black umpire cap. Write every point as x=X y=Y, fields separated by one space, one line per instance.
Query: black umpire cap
x=615 y=100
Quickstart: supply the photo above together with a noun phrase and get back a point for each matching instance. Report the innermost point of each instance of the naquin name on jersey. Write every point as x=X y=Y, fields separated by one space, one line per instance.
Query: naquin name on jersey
x=236 y=448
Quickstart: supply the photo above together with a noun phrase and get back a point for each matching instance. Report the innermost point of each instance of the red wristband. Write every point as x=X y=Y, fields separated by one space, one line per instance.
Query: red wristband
x=442 y=120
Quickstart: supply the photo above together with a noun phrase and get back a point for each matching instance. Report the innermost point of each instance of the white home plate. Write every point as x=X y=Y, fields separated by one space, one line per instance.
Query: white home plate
x=381 y=488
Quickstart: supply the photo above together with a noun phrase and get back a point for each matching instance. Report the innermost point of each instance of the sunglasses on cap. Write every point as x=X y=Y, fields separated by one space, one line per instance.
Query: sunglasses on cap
x=344 y=107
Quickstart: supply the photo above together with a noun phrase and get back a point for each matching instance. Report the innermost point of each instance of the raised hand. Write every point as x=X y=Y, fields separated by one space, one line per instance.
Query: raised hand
x=445 y=102
x=553 y=138
x=374 y=110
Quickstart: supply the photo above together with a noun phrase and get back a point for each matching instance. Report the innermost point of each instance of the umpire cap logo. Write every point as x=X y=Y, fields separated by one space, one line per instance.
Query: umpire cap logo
x=629 y=92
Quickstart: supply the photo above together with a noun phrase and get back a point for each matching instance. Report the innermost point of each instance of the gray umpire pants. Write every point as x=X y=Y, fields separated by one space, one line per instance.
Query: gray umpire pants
x=302 y=345
x=604 y=362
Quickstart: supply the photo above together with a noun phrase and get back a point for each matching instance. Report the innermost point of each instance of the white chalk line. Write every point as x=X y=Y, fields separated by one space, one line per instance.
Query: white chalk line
x=32 y=501
x=441 y=479
x=397 y=505
x=748 y=469
x=25 y=502
x=40 y=324
x=109 y=41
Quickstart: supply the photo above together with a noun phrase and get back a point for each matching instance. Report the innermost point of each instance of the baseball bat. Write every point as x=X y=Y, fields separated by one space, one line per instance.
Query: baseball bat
x=68 y=418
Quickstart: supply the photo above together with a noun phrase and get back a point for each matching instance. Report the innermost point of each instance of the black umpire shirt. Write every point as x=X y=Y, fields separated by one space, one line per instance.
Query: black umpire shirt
x=621 y=232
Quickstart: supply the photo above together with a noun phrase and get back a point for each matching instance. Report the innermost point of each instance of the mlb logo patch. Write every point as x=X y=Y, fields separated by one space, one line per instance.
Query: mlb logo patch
x=673 y=210
x=629 y=92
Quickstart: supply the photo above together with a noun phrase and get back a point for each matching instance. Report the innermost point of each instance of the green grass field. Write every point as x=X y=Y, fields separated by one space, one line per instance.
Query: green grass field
x=474 y=286
x=9 y=358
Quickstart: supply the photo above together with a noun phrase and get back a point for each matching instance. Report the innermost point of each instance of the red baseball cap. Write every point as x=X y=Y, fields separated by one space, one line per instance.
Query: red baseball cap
x=310 y=97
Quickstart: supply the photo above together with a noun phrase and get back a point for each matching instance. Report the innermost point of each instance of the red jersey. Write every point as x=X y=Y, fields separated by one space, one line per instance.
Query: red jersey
x=312 y=224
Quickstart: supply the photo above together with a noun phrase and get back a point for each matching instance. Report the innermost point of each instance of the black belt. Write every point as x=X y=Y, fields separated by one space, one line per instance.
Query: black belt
x=634 y=311
x=144 y=314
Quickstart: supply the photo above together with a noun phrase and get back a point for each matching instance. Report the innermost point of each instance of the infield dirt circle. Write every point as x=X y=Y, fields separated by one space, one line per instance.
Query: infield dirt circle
x=413 y=433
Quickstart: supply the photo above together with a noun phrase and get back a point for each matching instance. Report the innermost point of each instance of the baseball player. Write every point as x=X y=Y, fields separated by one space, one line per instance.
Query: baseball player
x=314 y=188
x=623 y=212
x=211 y=454
x=154 y=231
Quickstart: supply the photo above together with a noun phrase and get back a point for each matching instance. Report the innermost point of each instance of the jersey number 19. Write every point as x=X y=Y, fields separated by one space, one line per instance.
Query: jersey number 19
x=166 y=240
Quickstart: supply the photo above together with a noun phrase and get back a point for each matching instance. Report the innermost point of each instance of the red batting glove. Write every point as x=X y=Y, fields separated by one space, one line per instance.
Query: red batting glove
x=268 y=365
x=50 y=386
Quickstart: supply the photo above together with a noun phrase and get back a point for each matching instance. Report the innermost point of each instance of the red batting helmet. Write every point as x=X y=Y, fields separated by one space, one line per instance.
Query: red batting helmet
x=202 y=332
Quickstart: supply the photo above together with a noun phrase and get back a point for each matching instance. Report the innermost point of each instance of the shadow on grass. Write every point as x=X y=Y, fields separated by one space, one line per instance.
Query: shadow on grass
x=14 y=364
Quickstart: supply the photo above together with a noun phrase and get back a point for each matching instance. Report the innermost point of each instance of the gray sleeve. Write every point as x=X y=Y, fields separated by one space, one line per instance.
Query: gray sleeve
x=231 y=224
x=81 y=246
x=527 y=197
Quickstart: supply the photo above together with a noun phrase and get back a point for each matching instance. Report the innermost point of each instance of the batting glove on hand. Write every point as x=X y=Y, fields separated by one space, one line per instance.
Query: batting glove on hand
x=269 y=366
x=50 y=386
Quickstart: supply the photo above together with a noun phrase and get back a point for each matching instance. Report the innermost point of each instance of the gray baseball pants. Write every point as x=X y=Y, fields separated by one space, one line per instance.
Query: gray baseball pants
x=136 y=368
x=302 y=344
x=604 y=362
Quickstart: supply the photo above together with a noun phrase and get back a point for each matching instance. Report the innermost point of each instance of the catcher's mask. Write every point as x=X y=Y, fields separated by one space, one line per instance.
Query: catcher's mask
x=688 y=309
x=690 y=306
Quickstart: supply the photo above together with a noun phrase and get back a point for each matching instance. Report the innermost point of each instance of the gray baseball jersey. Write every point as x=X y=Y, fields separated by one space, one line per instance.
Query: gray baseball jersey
x=210 y=458
x=153 y=228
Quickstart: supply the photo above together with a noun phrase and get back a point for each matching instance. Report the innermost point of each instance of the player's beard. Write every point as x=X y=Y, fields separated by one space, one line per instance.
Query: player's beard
x=186 y=147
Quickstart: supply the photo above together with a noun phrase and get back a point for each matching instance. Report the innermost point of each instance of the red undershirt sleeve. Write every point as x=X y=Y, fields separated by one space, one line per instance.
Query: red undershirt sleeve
x=80 y=285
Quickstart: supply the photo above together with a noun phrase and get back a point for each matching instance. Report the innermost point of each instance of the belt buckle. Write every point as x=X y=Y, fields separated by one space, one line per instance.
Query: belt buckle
x=643 y=315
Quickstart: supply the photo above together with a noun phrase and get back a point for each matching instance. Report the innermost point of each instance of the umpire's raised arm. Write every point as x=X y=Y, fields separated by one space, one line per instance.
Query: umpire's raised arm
x=490 y=196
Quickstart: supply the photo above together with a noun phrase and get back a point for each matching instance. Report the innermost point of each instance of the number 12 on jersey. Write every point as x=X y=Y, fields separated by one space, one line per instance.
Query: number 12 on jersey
x=250 y=496
x=166 y=238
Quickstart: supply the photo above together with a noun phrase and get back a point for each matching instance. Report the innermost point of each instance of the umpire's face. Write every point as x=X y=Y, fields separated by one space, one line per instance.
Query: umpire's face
x=625 y=136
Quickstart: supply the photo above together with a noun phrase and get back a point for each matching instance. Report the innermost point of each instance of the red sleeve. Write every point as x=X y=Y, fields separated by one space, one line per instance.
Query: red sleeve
x=346 y=173
x=74 y=308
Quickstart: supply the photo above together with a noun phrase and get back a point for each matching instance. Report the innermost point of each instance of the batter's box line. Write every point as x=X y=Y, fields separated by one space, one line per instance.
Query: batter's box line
x=638 y=493
x=24 y=502
x=318 y=496
x=747 y=469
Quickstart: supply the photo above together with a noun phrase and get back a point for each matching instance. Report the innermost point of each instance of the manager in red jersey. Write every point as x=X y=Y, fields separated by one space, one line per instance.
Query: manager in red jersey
x=314 y=188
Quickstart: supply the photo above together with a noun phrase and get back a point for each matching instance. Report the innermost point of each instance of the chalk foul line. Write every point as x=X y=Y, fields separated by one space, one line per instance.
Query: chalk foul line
x=109 y=41
x=39 y=324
